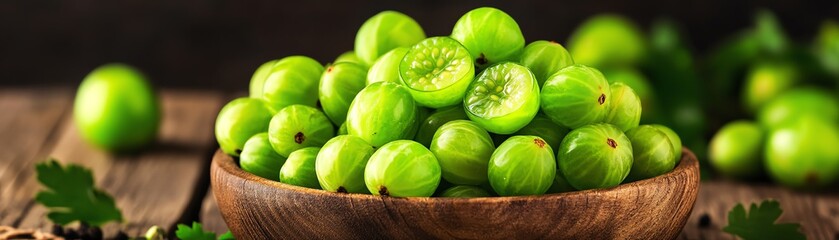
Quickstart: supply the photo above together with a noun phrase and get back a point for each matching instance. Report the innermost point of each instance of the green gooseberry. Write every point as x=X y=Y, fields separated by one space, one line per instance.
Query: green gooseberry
x=428 y=127
x=342 y=130
x=674 y=139
x=546 y=129
x=437 y=71
x=522 y=165
x=607 y=40
x=402 y=168
x=259 y=158
x=544 y=58
x=382 y=112
x=766 y=81
x=340 y=164
x=386 y=68
x=464 y=191
x=259 y=76
x=595 y=156
x=490 y=35
x=238 y=121
x=463 y=149
x=350 y=56
x=503 y=98
x=827 y=46
x=385 y=31
x=625 y=107
x=638 y=82
x=576 y=96
x=735 y=150
x=299 y=168
x=560 y=184
x=652 y=153
x=293 y=80
x=338 y=86
x=794 y=104
x=116 y=109
x=804 y=154
x=299 y=126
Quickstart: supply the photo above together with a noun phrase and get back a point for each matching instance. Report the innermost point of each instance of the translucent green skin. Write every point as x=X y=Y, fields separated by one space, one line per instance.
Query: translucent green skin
x=674 y=139
x=299 y=126
x=638 y=82
x=428 y=127
x=766 y=81
x=293 y=80
x=299 y=168
x=259 y=158
x=340 y=164
x=464 y=191
x=238 y=121
x=560 y=184
x=522 y=165
x=437 y=71
x=588 y=159
x=625 y=107
x=503 y=98
x=342 y=130
x=382 y=112
x=546 y=129
x=735 y=150
x=652 y=153
x=607 y=40
x=385 y=31
x=116 y=109
x=386 y=68
x=463 y=149
x=545 y=58
x=338 y=86
x=804 y=154
x=402 y=168
x=350 y=56
x=490 y=35
x=576 y=96
x=259 y=76
x=790 y=106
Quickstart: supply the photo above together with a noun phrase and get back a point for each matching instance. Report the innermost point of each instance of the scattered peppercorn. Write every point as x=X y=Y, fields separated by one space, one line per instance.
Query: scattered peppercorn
x=704 y=220
x=57 y=230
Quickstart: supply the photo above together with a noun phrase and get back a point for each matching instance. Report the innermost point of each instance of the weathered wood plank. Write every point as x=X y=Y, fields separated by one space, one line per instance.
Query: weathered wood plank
x=153 y=187
x=818 y=213
x=210 y=215
x=29 y=121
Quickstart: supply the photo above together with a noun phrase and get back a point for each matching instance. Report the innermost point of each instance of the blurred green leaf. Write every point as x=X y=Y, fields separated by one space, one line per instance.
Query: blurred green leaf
x=70 y=195
x=759 y=222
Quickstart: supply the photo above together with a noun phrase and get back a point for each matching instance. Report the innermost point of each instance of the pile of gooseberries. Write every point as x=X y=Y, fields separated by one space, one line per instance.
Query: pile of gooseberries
x=473 y=114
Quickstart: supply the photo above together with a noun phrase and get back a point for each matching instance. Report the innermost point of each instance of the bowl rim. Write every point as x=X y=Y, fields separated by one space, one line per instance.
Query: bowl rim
x=688 y=163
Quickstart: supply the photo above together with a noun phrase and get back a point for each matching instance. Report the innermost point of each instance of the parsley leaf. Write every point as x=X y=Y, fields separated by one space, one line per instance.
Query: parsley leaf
x=759 y=223
x=70 y=195
x=196 y=232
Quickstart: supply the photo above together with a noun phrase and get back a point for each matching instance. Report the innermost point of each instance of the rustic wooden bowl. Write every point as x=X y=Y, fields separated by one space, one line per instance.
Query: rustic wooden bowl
x=257 y=208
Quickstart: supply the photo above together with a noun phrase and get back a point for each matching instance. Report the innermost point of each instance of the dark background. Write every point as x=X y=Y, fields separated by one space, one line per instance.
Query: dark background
x=213 y=44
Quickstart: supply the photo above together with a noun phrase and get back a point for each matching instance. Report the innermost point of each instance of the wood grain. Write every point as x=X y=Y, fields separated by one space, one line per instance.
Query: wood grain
x=257 y=208
x=156 y=186
x=818 y=213
x=27 y=125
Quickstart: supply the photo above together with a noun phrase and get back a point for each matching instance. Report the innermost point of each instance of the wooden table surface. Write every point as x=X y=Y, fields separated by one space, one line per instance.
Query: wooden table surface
x=169 y=183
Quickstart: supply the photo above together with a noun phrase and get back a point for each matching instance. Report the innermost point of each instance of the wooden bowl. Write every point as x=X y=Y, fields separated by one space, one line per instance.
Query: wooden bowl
x=257 y=208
